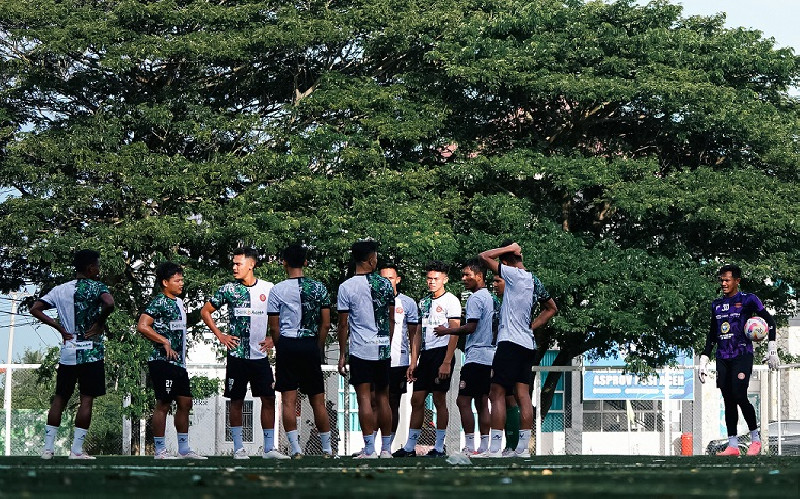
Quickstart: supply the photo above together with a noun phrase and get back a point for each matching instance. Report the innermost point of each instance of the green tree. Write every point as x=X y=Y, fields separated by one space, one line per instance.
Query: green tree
x=629 y=150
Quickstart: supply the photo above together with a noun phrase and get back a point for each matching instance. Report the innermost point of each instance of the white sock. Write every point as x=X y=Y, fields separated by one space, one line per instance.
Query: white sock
x=755 y=436
x=325 y=440
x=496 y=440
x=183 y=443
x=524 y=440
x=77 y=440
x=391 y=438
x=470 y=441
x=484 y=443
x=294 y=441
x=733 y=441
x=413 y=436
x=440 y=434
x=236 y=435
x=50 y=433
x=269 y=439
x=386 y=443
x=369 y=444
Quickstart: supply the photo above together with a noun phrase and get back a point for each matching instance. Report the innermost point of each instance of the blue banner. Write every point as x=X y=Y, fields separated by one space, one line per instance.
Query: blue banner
x=675 y=383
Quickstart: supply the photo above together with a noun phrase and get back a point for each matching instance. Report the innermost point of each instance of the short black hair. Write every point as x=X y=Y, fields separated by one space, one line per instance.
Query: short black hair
x=295 y=255
x=84 y=258
x=437 y=266
x=735 y=270
x=248 y=252
x=509 y=257
x=361 y=250
x=165 y=271
x=391 y=266
x=476 y=265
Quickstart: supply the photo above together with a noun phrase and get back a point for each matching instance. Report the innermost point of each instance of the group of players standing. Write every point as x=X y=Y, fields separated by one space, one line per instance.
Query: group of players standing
x=387 y=340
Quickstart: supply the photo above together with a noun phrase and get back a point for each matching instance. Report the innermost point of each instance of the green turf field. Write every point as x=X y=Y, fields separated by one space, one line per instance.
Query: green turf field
x=550 y=477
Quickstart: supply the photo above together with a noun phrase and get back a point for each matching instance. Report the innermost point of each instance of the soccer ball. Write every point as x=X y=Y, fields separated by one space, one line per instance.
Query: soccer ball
x=756 y=328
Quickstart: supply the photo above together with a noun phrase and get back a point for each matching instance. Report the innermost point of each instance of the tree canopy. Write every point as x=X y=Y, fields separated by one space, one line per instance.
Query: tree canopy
x=630 y=150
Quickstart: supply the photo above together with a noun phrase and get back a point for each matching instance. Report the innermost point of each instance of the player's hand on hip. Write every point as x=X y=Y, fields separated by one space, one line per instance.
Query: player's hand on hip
x=703 y=372
x=94 y=330
x=772 y=355
x=171 y=354
x=266 y=344
x=229 y=341
x=342 y=366
x=65 y=335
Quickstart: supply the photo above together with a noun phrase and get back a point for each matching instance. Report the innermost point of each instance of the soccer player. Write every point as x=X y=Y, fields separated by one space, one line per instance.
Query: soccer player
x=512 y=409
x=735 y=355
x=299 y=312
x=479 y=353
x=247 y=343
x=366 y=312
x=406 y=323
x=164 y=324
x=513 y=360
x=83 y=306
x=431 y=374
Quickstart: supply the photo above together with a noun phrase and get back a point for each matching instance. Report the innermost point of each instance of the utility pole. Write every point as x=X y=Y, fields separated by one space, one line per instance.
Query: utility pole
x=9 y=371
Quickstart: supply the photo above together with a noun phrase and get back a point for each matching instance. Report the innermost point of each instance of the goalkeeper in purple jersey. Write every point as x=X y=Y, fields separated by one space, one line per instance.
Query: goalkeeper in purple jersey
x=734 y=355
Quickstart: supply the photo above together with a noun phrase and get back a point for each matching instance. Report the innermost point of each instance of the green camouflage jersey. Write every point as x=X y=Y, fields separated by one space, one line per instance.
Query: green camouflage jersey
x=169 y=320
x=247 y=312
x=299 y=303
x=78 y=305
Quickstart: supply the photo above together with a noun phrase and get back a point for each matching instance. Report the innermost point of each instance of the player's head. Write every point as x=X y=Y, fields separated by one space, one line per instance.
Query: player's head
x=389 y=271
x=436 y=276
x=510 y=258
x=499 y=285
x=295 y=256
x=729 y=278
x=365 y=253
x=473 y=274
x=169 y=276
x=244 y=261
x=87 y=262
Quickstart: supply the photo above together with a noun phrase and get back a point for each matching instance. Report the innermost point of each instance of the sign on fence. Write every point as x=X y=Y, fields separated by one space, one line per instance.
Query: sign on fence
x=615 y=384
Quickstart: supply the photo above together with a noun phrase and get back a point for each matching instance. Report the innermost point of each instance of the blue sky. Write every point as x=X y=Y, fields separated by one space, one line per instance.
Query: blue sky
x=774 y=18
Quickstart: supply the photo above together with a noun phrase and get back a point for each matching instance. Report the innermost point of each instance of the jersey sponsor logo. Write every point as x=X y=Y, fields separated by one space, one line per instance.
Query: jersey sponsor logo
x=263 y=297
x=177 y=325
x=380 y=341
x=725 y=328
x=247 y=312
x=83 y=345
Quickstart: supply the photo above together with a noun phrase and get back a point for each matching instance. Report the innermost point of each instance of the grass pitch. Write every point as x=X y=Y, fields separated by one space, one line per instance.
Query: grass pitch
x=541 y=476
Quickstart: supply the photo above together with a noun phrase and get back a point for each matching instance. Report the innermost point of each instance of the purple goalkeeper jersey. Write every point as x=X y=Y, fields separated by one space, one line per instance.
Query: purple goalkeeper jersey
x=728 y=317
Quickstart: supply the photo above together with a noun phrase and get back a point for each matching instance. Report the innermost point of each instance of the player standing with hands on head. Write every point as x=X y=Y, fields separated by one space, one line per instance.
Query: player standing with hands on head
x=479 y=353
x=432 y=373
x=299 y=311
x=734 y=355
x=513 y=360
x=164 y=324
x=247 y=343
x=83 y=306
x=366 y=314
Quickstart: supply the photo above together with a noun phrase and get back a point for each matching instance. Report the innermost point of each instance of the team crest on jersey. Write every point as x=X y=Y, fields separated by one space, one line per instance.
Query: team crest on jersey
x=399 y=310
x=263 y=297
x=725 y=328
x=439 y=308
x=737 y=305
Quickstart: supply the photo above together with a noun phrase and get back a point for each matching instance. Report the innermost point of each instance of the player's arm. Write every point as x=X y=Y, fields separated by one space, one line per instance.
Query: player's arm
x=490 y=257
x=711 y=339
x=444 y=369
x=341 y=334
x=274 y=327
x=37 y=310
x=145 y=326
x=414 y=343
x=549 y=309
x=106 y=307
x=324 y=327
x=226 y=339
x=468 y=328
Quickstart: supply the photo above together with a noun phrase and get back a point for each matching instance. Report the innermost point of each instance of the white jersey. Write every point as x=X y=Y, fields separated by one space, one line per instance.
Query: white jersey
x=479 y=347
x=437 y=312
x=367 y=299
x=247 y=310
x=405 y=314
x=523 y=291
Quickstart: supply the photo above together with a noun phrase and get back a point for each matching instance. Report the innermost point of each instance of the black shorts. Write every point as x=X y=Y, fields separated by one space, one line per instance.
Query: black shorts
x=257 y=372
x=169 y=381
x=512 y=364
x=733 y=375
x=427 y=371
x=91 y=378
x=298 y=365
x=374 y=372
x=398 y=380
x=474 y=380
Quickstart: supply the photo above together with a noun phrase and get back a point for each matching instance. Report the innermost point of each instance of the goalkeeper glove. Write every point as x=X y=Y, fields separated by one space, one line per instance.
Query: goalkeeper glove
x=772 y=355
x=703 y=368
